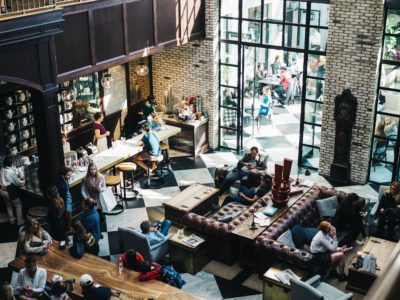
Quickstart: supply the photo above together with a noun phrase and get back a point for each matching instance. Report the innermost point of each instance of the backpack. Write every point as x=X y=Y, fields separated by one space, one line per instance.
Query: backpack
x=172 y=277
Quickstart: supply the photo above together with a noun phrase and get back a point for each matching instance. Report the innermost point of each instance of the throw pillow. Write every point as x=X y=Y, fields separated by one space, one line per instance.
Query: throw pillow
x=327 y=207
x=298 y=235
x=310 y=233
x=286 y=239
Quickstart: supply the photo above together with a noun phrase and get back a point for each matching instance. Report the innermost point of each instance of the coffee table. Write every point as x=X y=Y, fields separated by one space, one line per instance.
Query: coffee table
x=197 y=198
x=185 y=257
x=359 y=280
x=247 y=236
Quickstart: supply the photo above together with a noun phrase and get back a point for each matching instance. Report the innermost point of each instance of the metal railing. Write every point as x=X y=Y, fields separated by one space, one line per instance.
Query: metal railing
x=18 y=7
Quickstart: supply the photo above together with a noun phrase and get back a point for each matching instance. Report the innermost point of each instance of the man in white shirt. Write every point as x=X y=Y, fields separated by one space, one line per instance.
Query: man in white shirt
x=9 y=181
x=31 y=280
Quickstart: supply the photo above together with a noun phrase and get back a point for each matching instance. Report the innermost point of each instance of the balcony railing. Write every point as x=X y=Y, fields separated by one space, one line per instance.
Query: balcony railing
x=11 y=8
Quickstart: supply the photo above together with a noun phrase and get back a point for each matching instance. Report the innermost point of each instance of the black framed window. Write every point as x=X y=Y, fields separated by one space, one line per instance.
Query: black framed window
x=384 y=163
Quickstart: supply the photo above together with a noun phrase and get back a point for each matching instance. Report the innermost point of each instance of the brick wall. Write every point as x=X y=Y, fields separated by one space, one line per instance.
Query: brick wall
x=354 y=39
x=192 y=70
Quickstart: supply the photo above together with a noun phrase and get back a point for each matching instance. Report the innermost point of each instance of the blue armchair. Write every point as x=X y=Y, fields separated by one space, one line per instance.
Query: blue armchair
x=314 y=289
x=133 y=239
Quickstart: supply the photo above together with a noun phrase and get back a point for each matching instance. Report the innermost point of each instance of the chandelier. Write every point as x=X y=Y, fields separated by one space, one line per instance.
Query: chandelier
x=107 y=81
x=142 y=69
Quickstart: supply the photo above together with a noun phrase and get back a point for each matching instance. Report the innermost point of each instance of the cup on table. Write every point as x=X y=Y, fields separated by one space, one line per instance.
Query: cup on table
x=180 y=233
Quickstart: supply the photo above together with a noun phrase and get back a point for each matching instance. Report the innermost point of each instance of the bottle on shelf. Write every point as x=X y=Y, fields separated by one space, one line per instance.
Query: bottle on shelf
x=120 y=265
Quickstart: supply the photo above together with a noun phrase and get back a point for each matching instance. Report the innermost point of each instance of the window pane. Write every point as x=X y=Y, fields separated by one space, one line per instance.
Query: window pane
x=294 y=36
x=229 y=53
x=313 y=113
x=319 y=15
x=251 y=31
x=390 y=76
x=228 y=117
x=315 y=89
x=389 y=102
x=273 y=10
x=229 y=29
x=228 y=97
x=386 y=127
x=393 y=21
x=272 y=34
x=228 y=138
x=316 y=65
x=310 y=157
x=312 y=135
x=251 y=9
x=392 y=48
x=230 y=8
x=229 y=75
x=318 y=38
x=380 y=172
x=296 y=12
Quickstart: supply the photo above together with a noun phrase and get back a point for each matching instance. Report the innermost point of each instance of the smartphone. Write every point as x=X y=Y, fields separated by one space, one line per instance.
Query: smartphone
x=62 y=245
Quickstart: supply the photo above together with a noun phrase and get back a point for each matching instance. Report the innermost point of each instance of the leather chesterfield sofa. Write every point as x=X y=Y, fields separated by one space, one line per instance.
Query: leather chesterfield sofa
x=303 y=212
x=220 y=244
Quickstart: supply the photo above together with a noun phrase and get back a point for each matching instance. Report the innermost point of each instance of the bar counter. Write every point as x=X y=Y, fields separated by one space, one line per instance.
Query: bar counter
x=115 y=155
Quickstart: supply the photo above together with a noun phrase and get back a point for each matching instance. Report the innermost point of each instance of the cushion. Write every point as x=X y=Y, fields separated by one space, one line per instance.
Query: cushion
x=286 y=239
x=310 y=233
x=327 y=207
x=298 y=235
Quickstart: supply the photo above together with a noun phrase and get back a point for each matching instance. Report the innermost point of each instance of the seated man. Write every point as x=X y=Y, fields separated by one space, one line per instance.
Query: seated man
x=152 y=144
x=279 y=92
x=155 y=232
x=92 y=292
x=31 y=280
x=250 y=161
x=248 y=196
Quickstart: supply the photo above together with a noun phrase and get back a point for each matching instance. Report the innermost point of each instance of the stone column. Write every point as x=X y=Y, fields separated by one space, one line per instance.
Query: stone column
x=354 y=40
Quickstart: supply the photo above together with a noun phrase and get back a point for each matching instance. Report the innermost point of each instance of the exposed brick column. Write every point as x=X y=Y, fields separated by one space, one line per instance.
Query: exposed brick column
x=192 y=69
x=354 y=40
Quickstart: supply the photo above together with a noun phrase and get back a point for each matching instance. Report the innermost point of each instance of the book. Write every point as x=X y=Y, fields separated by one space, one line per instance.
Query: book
x=285 y=275
x=193 y=240
x=270 y=211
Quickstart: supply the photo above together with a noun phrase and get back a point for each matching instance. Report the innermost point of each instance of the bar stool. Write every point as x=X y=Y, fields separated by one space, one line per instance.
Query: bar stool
x=40 y=214
x=159 y=161
x=128 y=169
x=114 y=182
x=165 y=152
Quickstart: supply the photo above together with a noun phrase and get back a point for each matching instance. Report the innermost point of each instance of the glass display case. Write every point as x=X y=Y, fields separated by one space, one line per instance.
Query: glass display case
x=17 y=122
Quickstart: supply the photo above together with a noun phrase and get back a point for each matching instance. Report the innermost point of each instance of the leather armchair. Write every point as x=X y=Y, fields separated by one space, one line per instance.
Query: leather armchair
x=133 y=239
x=314 y=289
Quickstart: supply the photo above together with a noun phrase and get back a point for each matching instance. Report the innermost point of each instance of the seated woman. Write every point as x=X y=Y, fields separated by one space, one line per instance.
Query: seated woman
x=33 y=238
x=249 y=196
x=266 y=101
x=83 y=241
x=324 y=247
x=349 y=217
x=389 y=210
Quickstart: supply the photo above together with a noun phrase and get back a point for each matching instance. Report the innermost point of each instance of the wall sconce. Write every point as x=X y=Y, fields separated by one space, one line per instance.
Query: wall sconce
x=142 y=69
x=107 y=81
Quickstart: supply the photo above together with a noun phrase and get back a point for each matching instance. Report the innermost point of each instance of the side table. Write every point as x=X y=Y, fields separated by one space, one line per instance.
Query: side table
x=273 y=288
x=185 y=257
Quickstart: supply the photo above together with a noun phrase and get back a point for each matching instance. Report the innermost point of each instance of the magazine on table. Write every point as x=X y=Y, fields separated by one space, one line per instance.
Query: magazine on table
x=193 y=240
x=285 y=275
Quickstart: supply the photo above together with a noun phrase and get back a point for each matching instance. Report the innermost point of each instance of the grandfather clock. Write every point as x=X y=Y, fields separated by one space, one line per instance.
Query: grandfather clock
x=345 y=115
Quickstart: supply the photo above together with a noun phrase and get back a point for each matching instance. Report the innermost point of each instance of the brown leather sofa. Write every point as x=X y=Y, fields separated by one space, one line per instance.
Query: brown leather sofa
x=220 y=244
x=303 y=212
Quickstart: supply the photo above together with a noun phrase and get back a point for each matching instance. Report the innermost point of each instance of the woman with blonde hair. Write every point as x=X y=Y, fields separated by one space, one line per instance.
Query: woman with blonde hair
x=324 y=247
x=56 y=214
x=33 y=238
x=93 y=184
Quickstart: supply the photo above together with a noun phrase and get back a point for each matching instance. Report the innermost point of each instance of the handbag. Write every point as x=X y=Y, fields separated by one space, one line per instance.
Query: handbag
x=78 y=249
x=107 y=200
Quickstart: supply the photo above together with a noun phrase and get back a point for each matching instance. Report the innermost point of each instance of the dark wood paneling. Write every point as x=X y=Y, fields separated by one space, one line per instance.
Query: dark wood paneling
x=140 y=24
x=167 y=20
x=108 y=32
x=73 y=46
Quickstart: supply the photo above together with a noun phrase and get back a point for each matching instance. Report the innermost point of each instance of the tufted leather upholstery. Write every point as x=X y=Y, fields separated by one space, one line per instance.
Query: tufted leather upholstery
x=220 y=245
x=303 y=212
